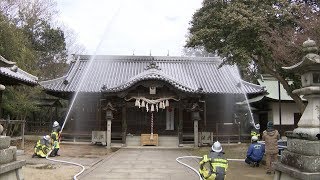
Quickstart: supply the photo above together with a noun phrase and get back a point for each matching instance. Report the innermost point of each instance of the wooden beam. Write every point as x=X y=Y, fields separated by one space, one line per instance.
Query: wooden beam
x=180 y=126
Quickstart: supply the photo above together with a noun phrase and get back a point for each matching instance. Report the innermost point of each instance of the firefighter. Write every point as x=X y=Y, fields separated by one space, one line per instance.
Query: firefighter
x=42 y=147
x=214 y=166
x=55 y=135
x=255 y=131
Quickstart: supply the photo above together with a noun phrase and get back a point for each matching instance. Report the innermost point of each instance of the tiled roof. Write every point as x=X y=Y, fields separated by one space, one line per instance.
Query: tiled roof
x=118 y=73
x=11 y=72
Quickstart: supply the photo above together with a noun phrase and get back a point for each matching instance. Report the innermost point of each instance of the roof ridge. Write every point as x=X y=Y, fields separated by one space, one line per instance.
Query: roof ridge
x=135 y=58
x=51 y=80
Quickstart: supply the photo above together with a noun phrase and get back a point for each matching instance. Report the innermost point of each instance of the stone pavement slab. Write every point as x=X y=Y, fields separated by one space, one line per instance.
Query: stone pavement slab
x=143 y=164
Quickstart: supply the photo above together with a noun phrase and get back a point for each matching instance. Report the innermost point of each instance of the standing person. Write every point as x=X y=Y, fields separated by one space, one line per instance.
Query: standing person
x=42 y=147
x=255 y=131
x=55 y=135
x=271 y=137
x=255 y=152
x=217 y=165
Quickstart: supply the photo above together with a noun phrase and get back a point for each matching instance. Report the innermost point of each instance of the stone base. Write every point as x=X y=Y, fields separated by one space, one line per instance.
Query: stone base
x=302 y=154
x=8 y=155
x=12 y=175
x=309 y=133
x=301 y=162
x=4 y=142
x=305 y=147
x=12 y=171
x=284 y=172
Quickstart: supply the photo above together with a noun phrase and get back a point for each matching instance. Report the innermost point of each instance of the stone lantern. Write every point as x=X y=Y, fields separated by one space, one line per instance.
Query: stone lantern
x=309 y=68
x=195 y=116
x=301 y=159
x=109 y=117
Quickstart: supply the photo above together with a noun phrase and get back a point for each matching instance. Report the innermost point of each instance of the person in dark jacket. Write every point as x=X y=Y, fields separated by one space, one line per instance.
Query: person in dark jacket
x=218 y=165
x=255 y=152
x=271 y=137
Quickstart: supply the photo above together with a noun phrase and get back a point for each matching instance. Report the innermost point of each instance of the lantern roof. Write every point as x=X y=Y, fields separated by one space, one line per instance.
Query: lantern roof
x=311 y=61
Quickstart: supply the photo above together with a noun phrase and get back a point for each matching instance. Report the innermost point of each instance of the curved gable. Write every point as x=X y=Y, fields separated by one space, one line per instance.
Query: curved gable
x=151 y=74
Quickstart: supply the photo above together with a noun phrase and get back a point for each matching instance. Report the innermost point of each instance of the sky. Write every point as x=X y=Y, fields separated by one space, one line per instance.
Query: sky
x=124 y=27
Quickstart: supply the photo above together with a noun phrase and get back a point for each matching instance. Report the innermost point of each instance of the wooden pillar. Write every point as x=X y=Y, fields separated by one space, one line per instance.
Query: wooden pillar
x=109 y=134
x=124 y=123
x=98 y=114
x=180 y=126
x=196 y=134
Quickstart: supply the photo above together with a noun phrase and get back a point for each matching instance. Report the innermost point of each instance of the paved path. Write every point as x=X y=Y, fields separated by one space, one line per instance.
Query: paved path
x=143 y=164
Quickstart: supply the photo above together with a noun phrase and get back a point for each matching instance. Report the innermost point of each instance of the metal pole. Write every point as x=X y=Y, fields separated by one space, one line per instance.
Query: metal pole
x=280 y=123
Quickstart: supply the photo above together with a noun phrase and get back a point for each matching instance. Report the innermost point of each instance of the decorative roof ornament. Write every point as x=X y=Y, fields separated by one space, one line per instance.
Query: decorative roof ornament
x=104 y=87
x=14 y=68
x=152 y=65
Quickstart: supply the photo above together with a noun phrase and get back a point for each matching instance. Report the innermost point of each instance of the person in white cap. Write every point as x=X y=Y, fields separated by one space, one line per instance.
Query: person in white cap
x=218 y=165
x=255 y=131
x=255 y=152
x=55 y=135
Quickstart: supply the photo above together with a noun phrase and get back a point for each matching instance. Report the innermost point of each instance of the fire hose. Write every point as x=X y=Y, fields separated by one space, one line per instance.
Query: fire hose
x=67 y=162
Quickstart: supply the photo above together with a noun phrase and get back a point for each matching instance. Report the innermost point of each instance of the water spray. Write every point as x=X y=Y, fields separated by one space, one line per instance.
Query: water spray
x=78 y=89
x=238 y=76
x=88 y=67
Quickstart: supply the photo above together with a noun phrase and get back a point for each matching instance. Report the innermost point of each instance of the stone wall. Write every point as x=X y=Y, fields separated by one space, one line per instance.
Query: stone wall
x=10 y=167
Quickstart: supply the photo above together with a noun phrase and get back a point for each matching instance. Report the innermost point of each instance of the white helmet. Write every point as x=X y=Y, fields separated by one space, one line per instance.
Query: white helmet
x=254 y=138
x=257 y=126
x=46 y=137
x=55 y=124
x=216 y=147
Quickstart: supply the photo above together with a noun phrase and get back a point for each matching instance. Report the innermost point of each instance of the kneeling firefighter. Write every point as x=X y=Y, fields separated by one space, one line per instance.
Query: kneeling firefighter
x=42 y=147
x=214 y=166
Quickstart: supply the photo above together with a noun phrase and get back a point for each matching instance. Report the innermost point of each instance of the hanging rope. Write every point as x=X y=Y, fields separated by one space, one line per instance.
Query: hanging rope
x=151 y=137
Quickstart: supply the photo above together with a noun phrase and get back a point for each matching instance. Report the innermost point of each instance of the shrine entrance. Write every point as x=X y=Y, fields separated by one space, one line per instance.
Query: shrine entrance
x=162 y=122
